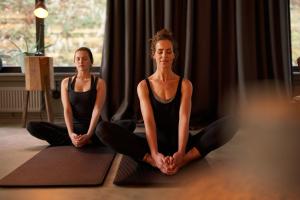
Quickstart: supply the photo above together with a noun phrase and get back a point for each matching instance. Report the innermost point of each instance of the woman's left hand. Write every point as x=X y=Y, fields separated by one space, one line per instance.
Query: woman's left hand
x=83 y=140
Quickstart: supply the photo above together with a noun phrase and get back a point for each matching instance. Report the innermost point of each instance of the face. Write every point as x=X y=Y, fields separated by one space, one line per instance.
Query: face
x=82 y=61
x=164 y=54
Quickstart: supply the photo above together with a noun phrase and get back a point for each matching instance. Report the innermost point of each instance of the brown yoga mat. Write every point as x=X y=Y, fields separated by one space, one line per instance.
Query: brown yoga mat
x=135 y=173
x=63 y=166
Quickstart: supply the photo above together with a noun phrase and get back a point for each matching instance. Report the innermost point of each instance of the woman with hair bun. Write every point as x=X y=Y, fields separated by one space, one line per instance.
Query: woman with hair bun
x=165 y=102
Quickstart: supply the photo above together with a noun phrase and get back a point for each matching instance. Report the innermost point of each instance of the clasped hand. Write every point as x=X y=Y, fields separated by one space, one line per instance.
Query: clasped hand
x=79 y=140
x=169 y=165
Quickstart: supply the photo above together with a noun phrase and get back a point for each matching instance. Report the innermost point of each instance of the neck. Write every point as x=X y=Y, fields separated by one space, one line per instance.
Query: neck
x=164 y=74
x=83 y=74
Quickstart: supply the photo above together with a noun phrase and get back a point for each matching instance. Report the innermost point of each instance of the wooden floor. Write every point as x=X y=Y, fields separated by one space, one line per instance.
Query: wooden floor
x=224 y=177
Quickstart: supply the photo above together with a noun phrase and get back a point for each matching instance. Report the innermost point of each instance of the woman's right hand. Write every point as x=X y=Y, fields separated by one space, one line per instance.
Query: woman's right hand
x=160 y=162
x=75 y=139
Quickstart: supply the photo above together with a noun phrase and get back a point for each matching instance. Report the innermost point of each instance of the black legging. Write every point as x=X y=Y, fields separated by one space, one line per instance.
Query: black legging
x=57 y=135
x=124 y=141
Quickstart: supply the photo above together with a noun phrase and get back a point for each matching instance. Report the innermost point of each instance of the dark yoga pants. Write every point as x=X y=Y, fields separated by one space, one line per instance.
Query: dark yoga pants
x=126 y=142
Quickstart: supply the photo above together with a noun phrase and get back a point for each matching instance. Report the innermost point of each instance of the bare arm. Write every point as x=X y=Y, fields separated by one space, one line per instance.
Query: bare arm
x=147 y=113
x=100 y=98
x=183 y=126
x=66 y=106
x=184 y=114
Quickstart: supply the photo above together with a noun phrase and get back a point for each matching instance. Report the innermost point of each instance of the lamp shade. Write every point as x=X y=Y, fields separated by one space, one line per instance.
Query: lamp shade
x=40 y=10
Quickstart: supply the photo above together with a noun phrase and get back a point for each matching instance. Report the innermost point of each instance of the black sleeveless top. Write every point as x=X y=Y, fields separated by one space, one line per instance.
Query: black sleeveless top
x=82 y=103
x=166 y=116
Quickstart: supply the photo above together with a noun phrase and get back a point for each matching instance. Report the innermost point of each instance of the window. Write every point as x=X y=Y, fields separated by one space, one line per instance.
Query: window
x=72 y=24
x=295 y=29
x=69 y=25
x=17 y=30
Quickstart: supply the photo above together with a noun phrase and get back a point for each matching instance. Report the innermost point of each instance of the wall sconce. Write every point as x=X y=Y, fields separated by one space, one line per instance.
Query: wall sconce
x=40 y=10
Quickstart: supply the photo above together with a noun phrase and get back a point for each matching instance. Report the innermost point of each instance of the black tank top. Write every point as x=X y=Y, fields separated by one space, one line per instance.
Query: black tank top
x=82 y=103
x=166 y=116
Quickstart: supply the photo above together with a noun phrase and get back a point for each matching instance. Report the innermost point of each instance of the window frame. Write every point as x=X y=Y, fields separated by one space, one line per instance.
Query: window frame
x=40 y=33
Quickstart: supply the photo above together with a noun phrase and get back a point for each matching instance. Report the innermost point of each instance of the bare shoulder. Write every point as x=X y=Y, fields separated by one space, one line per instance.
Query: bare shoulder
x=101 y=83
x=142 y=88
x=187 y=86
x=142 y=85
x=64 y=82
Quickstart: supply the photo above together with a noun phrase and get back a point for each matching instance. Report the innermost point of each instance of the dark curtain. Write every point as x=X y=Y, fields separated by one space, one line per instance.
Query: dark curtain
x=223 y=45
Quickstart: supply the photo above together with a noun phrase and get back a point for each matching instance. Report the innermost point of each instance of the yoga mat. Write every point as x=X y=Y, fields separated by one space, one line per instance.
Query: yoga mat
x=62 y=166
x=135 y=173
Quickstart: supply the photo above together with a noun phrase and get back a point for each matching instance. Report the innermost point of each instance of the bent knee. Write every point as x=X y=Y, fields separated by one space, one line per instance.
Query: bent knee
x=109 y=132
x=102 y=130
x=33 y=127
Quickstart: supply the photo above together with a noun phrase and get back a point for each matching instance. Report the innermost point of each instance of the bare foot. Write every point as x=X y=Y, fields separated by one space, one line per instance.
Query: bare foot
x=191 y=155
x=175 y=166
x=148 y=159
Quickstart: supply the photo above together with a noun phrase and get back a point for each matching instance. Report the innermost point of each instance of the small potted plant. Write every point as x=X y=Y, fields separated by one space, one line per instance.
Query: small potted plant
x=19 y=54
